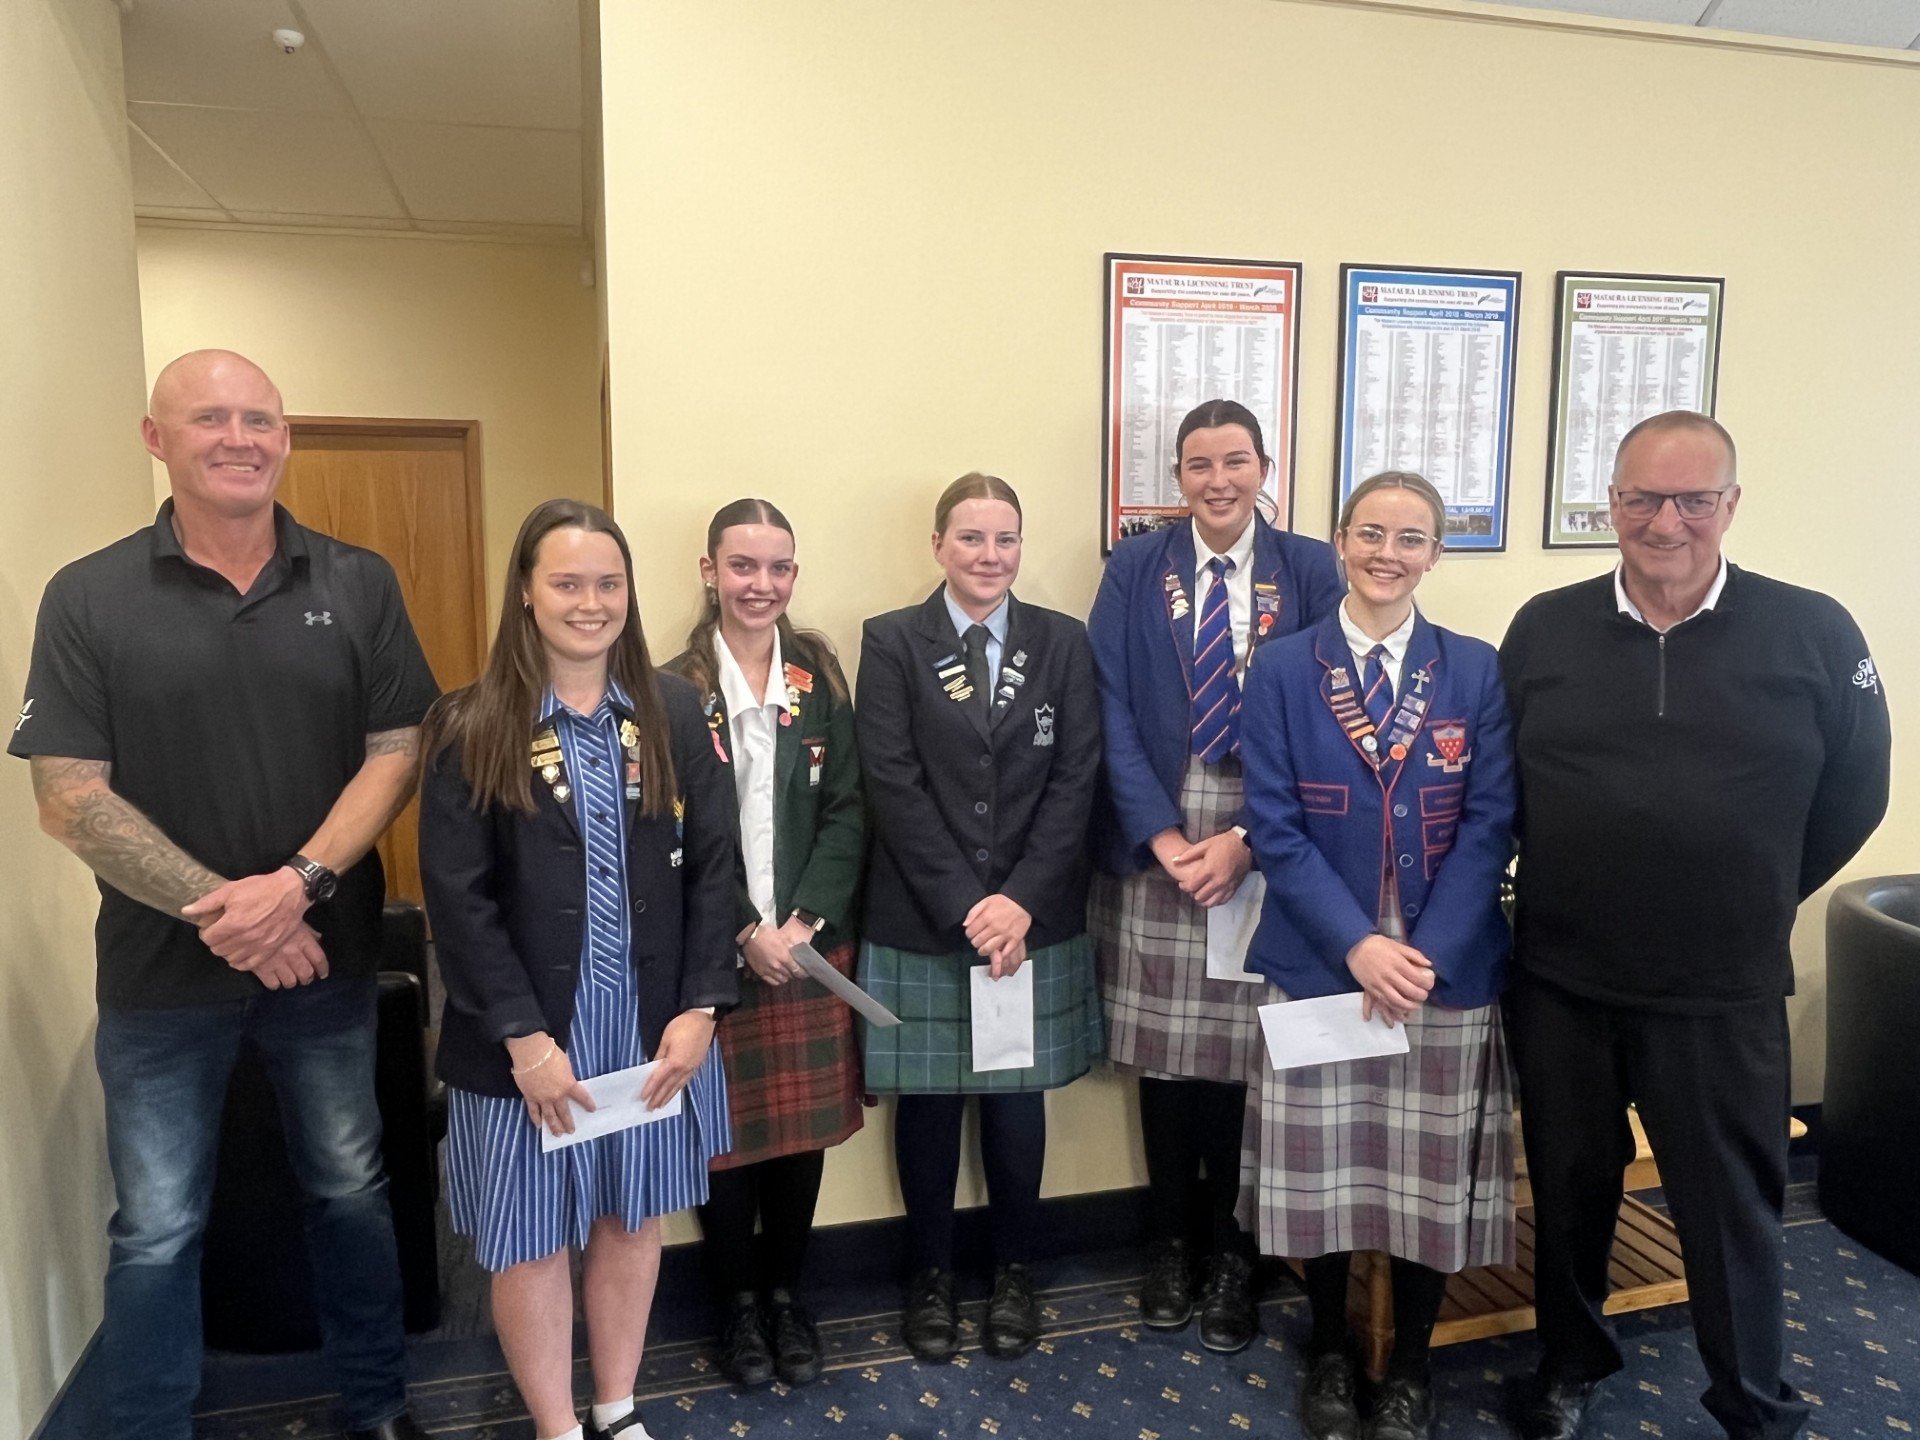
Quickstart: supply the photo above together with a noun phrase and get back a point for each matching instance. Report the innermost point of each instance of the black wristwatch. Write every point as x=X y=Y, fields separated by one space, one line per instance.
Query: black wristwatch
x=318 y=880
x=813 y=922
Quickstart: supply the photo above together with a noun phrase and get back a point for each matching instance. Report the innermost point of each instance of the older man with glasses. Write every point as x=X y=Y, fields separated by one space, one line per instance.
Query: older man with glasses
x=1699 y=749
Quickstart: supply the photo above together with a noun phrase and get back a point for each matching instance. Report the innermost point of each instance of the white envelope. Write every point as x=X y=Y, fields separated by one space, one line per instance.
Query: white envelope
x=1230 y=930
x=1002 y=1019
x=617 y=1094
x=1325 y=1030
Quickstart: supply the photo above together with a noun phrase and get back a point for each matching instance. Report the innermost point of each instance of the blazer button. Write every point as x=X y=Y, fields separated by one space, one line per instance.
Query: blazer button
x=1412 y=910
x=979 y=854
x=639 y=905
x=979 y=807
x=986 y=760
x=1400 y=812
x=1406 y=859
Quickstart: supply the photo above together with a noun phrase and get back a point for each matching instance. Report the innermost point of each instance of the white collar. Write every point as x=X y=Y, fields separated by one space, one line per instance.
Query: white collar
x=1360 y=642
x=1627 y=607
x=735 y=690
x=1240 y=552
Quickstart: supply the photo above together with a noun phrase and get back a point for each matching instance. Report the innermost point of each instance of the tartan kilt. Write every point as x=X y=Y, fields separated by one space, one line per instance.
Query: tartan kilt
x=793 y=1074
x=1411 y=1154
x=931 y=1051
x=1165 y=1018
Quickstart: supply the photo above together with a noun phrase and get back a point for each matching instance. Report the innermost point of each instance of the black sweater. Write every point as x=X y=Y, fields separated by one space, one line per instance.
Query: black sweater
x=1680 y=794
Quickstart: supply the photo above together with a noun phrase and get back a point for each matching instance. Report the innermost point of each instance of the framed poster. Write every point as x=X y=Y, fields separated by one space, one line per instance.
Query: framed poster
x=1426 y=384
x=1179 y=331
x=1624 y=347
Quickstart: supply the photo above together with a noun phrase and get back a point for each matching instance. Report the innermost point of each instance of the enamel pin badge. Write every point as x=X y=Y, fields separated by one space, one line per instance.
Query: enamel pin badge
x=1043 y=724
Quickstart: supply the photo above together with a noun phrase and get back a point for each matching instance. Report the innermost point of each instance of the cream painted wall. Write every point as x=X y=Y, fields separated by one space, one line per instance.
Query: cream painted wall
x=403 y=328
x=853 y=249
x=70 y=398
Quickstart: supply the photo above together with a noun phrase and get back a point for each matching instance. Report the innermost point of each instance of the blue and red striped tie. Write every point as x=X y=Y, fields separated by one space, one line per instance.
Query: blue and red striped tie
x=1216 y=692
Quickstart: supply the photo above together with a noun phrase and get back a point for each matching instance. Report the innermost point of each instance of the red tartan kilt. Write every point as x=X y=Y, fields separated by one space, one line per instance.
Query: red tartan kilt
x=793 y=1067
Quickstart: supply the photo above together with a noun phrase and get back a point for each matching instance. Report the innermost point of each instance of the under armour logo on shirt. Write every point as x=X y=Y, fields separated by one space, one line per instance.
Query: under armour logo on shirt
x=1866 y=677
x=26 y=714
x=325 y=617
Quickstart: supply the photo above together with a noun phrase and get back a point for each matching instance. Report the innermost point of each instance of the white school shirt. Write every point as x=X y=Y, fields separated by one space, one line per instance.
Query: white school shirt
x=1362 y=645
x=755 y=727
x=1239 y=591
x=1627 y=607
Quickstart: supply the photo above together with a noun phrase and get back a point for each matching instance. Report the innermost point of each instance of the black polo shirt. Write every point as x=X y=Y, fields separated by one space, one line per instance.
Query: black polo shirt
x=232 y=721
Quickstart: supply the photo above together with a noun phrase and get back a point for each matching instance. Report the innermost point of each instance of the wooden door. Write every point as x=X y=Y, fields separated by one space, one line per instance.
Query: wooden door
x=409 y=491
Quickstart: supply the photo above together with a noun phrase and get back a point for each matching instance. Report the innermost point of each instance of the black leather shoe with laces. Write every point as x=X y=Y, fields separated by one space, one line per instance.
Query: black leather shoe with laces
x=744 y=1356
x=1553 y=1409
x=1166 y=1294
x=1228 y=1320
x=1013 y=1315
x=796 y=1343
x=1402 y=1410
x=1328 y=1405
x=931 y=1324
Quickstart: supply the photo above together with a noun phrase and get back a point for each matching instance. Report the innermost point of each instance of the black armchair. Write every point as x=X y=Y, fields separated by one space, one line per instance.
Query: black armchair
x=1870 y=1121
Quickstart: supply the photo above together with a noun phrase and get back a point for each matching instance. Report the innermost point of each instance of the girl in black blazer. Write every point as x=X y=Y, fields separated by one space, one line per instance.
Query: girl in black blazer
x=576 y=848
x=979 y=732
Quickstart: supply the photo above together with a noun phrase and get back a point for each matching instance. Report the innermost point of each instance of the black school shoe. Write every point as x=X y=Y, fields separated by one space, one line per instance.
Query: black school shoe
x=1228 y=1320
x=1402 y=1410
x=796 y=1343
x=1329 y=1402
x=1166 y=1294
x=1552 y=1410
x=931 y=1324
x=1013 y=1315
x=744 y=1356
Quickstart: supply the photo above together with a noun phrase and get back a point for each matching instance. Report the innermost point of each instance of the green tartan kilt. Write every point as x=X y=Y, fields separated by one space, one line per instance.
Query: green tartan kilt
x=930 y=1052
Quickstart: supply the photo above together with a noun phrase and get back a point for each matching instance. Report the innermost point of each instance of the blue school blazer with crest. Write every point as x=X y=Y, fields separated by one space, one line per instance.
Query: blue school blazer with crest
x=1142 y=633
x=1323 y=819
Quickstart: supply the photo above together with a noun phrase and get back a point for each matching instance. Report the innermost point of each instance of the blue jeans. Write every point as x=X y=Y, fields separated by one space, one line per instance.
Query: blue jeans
x=165 y=1073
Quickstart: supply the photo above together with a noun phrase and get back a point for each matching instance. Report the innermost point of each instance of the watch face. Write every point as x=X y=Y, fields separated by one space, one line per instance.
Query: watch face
x=324 y=887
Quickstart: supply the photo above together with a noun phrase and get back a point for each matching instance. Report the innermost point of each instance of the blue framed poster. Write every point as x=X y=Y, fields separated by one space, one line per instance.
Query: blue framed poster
x=1426 y=384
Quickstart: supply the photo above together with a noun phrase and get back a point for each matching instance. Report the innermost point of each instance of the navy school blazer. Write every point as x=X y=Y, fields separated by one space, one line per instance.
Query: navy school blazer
x=507 y=893
x=1144 y=656
x=963 y=808
x=1321 y=818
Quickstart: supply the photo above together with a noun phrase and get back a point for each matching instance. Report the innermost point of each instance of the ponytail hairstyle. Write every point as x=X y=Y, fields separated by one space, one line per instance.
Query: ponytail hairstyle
x=702 y=666
x=492 y=719
x=974 y=485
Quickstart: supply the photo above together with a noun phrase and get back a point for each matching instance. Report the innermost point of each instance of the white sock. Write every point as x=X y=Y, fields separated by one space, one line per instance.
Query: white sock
x=605 y=1415
x=576 y=1433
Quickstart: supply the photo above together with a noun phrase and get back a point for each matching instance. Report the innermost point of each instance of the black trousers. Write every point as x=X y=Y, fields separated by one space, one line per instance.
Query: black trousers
x=1189 y=1127
x=780 y=1194
x=1013 y=1149
x=1713 y=1093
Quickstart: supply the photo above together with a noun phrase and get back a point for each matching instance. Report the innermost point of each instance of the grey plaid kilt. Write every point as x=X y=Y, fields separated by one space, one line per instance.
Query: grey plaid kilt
x=930 y=1052
x=1411 y=1154
x=1165 y=1018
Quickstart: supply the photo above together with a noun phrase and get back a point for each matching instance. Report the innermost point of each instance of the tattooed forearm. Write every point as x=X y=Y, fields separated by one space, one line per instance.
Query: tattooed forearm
x=118 y=843
x=394 y=742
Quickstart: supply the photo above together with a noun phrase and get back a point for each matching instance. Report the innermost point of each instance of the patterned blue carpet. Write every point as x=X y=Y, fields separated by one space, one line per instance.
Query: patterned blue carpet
x=1854 y=1342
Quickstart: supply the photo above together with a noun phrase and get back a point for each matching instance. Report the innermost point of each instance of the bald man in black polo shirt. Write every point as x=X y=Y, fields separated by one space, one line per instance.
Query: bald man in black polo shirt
x=221 y=718
x=1699 y=749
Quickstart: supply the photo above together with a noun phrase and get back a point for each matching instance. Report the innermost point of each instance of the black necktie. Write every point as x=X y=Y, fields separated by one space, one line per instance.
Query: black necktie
x=977 y=676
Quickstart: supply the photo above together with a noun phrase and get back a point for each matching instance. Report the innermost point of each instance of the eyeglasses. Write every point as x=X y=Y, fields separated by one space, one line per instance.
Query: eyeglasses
x=1690 y=505
x=1375 y=537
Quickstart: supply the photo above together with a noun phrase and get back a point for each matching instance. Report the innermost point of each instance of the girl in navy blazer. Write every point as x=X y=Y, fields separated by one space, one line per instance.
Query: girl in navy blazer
x=979 y=730
x=576 y=847
x=1169 y=839
x=1380 y=801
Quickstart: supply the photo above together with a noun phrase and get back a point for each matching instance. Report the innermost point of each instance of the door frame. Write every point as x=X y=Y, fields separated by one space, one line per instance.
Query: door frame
x=467 y=432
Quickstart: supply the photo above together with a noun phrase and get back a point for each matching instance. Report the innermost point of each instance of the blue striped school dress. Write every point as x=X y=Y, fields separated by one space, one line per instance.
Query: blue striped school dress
x=516 y=1202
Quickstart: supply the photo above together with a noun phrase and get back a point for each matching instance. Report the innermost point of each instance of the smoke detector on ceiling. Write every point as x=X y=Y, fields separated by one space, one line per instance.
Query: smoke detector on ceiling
x=289 y=40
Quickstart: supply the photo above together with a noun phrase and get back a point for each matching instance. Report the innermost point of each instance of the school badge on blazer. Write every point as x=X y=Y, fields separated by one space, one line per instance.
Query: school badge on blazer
x=1043 y=724
x=1451 y=741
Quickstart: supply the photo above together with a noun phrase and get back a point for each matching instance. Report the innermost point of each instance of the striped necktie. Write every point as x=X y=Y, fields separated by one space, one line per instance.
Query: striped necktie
x=1216 y=693
x=1378 y=688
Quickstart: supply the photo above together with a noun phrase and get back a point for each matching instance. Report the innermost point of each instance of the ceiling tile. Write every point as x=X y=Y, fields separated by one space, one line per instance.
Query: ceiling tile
x=455 y=61
x=1667 y=12
x=1891 y=23
x=221 y=52
x=464 y=172
x=313 y=164
x=156 y=183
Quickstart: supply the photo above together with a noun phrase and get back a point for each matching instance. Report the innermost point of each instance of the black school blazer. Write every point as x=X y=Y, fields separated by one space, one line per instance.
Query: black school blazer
x=963 y=808
x=507 y=893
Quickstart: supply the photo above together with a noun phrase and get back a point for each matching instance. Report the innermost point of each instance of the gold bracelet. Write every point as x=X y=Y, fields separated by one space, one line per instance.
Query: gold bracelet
x=552 y=1049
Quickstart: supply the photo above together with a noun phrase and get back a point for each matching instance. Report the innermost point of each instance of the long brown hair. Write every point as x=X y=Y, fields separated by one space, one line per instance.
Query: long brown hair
x=701 y=667
x=492 y=719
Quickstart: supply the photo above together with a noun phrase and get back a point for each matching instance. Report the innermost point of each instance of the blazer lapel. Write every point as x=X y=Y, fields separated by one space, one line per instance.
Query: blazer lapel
x=1176 y=597
x=1268 y=596
x=1017 y=661
x=553 y=778
x=795 y=685
x=1413 y=697
x=1340 y=682
x=945 y=657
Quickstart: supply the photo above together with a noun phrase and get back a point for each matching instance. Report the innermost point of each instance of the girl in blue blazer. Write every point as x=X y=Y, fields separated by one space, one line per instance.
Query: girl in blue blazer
x=1380 y=799
x=1171 y=641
